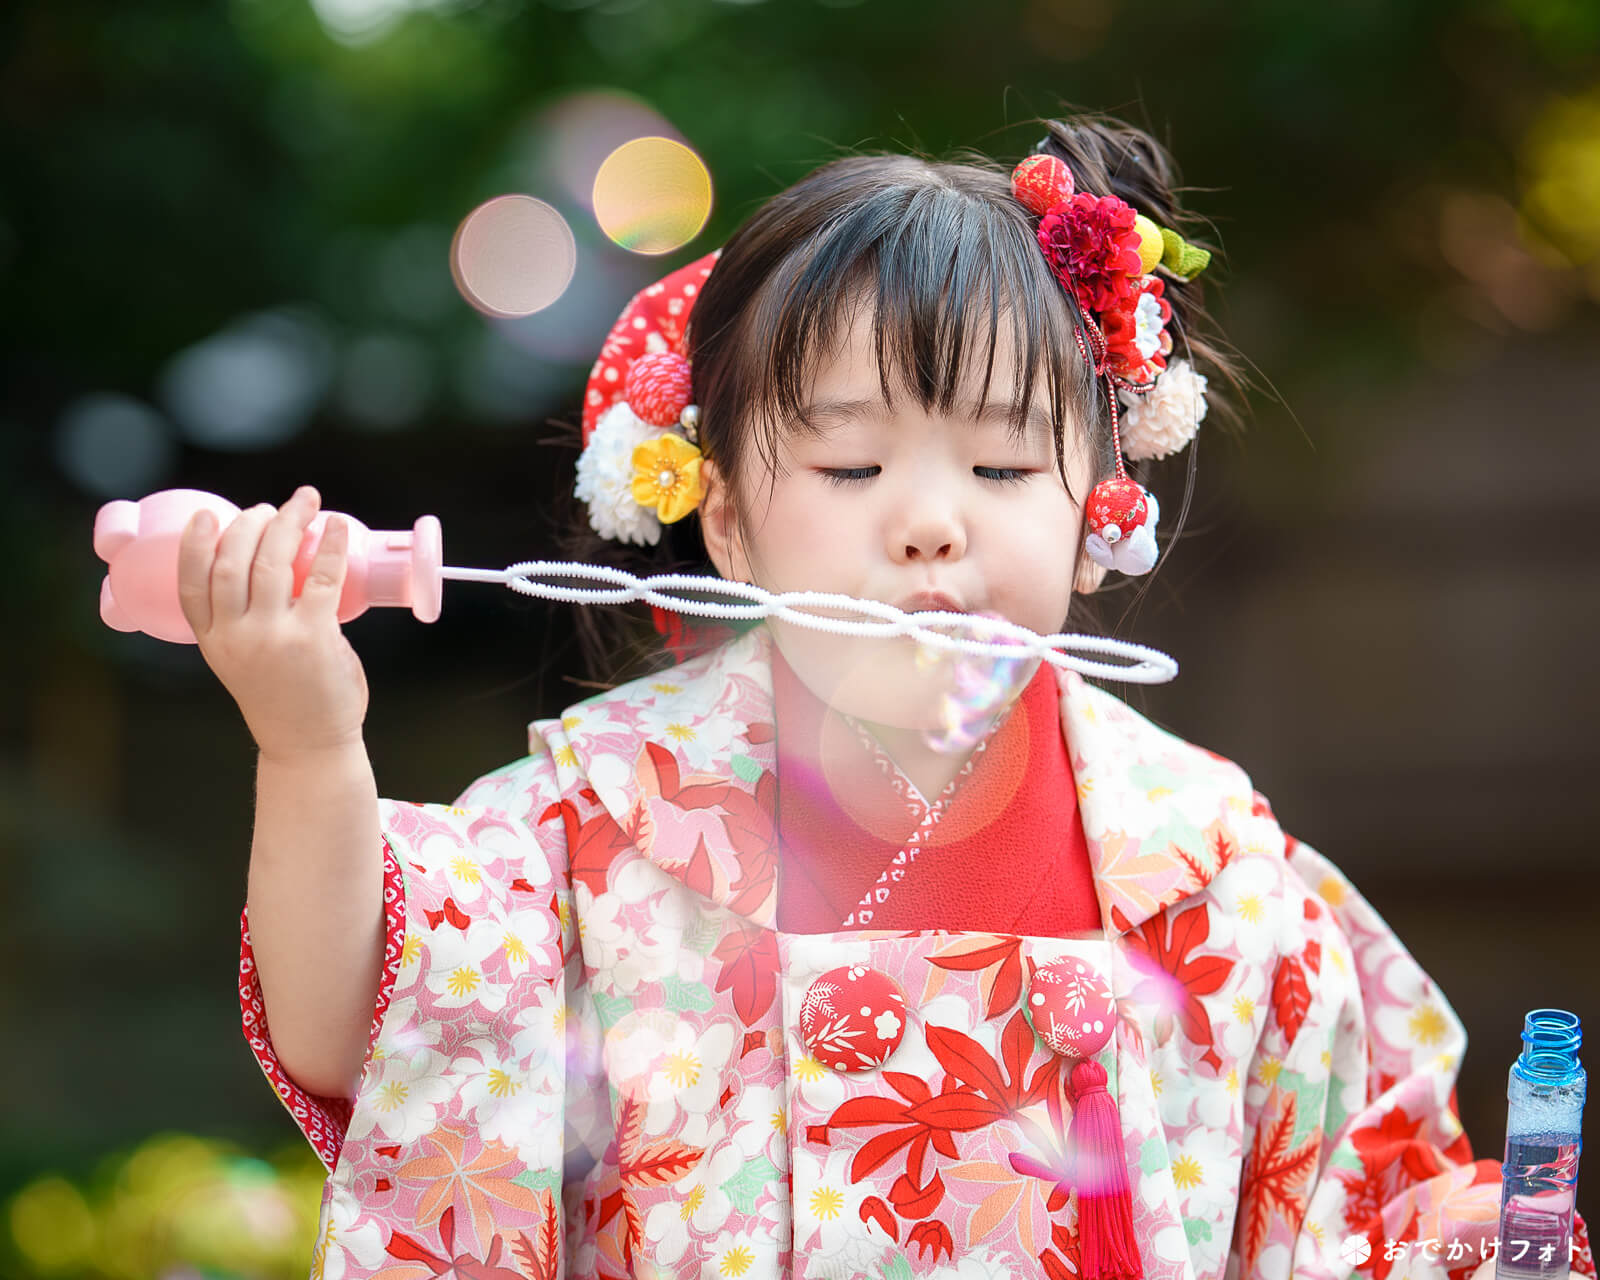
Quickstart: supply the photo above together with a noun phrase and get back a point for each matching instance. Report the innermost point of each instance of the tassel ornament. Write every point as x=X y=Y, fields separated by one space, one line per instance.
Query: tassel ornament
x=1107 y=1246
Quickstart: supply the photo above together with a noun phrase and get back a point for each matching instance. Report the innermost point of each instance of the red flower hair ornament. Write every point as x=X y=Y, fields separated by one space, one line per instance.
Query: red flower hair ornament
x=1104 y=253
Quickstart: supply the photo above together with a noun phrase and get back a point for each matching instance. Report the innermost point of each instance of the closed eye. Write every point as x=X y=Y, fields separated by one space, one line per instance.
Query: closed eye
x=1002 y=475
x=844 y=475
x=999 y=475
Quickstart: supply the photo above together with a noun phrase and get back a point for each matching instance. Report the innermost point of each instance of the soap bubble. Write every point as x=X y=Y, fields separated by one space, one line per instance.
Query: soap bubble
x=978 y=687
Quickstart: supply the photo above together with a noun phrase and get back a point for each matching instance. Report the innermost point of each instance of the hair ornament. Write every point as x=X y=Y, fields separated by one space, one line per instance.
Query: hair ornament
x=1151 y=244
x=657 y=387
x=1137 y=341
x=1041 y=182
x=640 y=465
x=666 y=476
x=1180 y=258
x=1105 y=254
x=1161 y=421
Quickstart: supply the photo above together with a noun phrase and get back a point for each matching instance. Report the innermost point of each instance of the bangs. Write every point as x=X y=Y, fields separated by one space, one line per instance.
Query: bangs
x=948 y=263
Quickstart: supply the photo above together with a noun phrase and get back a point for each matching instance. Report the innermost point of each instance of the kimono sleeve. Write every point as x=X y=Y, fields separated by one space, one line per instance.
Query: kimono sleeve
x=1355 y=1160
x=472 y=1037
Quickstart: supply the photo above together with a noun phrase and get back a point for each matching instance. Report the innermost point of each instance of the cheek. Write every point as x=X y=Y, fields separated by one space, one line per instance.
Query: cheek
x=1041 y=540
x=793 y=533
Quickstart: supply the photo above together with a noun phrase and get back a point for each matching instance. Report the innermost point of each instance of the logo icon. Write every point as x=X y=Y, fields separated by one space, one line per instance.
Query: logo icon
x=1355 y=1250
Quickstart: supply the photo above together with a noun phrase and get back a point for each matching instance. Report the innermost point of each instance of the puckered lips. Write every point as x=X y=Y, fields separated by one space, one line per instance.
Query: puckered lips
x=931 y=602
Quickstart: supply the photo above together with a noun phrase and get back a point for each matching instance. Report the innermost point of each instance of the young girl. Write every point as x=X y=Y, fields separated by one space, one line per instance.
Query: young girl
x=734 y=973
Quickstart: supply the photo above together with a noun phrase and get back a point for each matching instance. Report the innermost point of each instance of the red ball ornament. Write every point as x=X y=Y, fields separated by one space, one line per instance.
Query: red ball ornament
x=1116 y=508
x=852 y=1018
x=658 y=387
x=1041 y=182
x=1071 y=1008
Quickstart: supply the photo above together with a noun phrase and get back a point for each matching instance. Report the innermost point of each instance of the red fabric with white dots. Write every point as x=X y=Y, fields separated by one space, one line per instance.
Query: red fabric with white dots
x=654 y=320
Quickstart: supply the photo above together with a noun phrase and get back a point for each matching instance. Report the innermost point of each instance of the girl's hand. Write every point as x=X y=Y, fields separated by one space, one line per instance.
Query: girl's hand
x=284 y=659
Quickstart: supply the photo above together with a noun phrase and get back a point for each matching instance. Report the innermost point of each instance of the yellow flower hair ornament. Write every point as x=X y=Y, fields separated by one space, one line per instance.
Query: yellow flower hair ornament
x=666 y=476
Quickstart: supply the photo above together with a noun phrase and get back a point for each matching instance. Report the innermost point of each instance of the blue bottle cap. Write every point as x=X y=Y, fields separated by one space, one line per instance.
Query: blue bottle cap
x=1552 y=1029
x=1550 y=1042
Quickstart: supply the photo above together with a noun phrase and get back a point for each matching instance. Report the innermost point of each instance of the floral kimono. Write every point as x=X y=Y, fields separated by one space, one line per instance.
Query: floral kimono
x=596 y=1050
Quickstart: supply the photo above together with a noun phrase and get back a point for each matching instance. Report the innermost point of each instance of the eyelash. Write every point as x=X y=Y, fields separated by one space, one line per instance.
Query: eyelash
x=1003 y=475
x=998 y=475
x=844 y=475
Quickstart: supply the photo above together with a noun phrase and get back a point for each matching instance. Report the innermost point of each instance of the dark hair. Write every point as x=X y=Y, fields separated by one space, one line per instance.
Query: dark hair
x=944 y=254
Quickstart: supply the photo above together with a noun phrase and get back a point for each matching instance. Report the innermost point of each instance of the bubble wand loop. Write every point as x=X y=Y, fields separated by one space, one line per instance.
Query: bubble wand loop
x=988 y=636
x=139 y=543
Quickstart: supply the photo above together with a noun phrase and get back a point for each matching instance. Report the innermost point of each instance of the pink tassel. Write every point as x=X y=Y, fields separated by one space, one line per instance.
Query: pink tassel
x=1107 y=1247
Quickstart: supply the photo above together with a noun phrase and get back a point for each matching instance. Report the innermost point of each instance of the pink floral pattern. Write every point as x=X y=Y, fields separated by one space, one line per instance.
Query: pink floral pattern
x=588 y=1056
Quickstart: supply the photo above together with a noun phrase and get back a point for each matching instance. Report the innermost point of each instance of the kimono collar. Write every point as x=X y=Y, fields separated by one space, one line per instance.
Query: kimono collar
x=683 y=763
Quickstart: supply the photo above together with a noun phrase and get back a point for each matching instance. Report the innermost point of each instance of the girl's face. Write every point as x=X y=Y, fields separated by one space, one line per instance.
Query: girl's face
x=918 y=510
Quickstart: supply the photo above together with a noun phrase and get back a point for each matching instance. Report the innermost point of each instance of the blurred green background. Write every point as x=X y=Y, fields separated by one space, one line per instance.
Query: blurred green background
x=224 y=255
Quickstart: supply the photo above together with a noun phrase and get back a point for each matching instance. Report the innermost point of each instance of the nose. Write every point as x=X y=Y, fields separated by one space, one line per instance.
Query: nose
x=929 y=529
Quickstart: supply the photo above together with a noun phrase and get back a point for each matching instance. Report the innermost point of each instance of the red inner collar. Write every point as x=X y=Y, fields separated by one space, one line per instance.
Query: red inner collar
x=1001 y=850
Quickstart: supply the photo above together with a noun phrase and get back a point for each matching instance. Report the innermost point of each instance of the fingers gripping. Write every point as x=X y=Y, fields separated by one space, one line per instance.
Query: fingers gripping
x=324 y=582
x=272 y=573
x=196 y=548
x=231 y=570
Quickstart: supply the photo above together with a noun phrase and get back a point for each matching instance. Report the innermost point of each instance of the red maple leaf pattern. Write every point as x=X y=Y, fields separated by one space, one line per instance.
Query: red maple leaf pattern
x=1000 y=960
x=540 y=1255
x=1181 y=980
x=1276 y=1174
x=1382 y=1263
x=459 y=1266
x=1064 y=1265
x=749 y=969
x=1394 y=1138
x=977 y=1091
x=1291 y=996
x=593 y=844
x=931 y=1236
x=639 y=1165
x=749 y=825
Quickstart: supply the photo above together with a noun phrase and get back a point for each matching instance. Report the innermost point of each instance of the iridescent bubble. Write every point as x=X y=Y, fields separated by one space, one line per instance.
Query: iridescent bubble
x=513 y=255
x=978 y=688
x=652 y=195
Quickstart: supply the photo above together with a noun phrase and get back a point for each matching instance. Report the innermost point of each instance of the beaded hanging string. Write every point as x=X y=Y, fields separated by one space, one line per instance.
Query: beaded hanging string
x=1099 y=367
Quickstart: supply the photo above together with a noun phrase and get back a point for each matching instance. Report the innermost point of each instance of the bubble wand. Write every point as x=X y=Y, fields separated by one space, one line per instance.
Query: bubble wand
x=139 y=543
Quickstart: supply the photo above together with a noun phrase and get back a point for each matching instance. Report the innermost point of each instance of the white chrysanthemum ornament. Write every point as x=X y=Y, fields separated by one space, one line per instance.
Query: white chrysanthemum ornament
x=1161 y=421
x=605 y=477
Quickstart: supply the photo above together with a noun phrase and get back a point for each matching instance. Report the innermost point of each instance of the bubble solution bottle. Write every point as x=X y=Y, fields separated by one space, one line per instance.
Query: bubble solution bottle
x=1539 y=1176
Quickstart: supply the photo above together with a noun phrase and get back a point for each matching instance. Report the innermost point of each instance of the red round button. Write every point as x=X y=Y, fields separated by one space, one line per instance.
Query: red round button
x=1071 y=1007
x=852 y=1018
